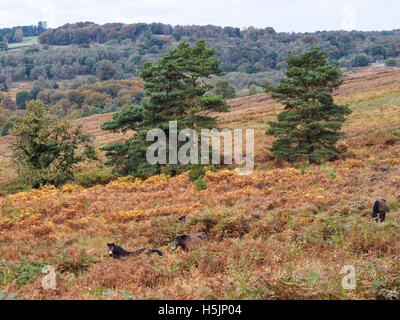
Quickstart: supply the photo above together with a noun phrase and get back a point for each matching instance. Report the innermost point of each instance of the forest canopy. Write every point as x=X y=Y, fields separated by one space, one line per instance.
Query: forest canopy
x=82 y=48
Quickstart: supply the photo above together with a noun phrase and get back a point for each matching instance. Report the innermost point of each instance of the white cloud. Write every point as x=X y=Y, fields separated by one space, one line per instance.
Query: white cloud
x=349 y=16
x=49 y=14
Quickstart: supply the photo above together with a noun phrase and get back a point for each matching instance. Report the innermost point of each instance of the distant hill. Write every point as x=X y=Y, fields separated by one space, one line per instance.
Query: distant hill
x=249 y=50
x=248 y=56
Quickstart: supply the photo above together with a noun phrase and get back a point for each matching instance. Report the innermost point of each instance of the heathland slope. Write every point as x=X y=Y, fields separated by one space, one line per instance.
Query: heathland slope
x=280 y=232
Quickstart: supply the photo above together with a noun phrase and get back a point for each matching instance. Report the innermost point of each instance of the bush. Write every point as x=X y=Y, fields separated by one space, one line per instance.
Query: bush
x=14 y=186
x=22 y=98
x=6 y=127
x=196 y=172
x=200 y=184
x=360 y=61
x=94 y=177
x=232 y=227
x=22 y=273
x=391 y=62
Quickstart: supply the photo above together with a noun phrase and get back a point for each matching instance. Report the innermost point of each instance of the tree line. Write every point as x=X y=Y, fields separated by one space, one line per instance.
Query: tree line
x=248 y=50
x=16 y=34
x=119 y=51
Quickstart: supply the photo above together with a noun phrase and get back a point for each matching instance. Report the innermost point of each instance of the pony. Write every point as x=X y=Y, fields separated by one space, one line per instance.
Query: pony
x=187 y=242
x=380 y=207
x=118 y=252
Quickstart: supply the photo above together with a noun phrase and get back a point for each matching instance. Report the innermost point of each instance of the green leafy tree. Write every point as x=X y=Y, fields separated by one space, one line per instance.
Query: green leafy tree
x=47 y=149
x=310 y=124
x=22 y=98
x=225 y=89
x=360 y=61
x=174 y=91
x=106 y=70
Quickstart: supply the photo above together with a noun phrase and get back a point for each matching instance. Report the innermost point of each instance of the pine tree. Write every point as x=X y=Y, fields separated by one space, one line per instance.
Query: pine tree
x=175 y=91
x=311 y=122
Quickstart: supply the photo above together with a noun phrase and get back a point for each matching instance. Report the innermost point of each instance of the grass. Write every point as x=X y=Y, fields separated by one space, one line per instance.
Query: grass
x=26 y=42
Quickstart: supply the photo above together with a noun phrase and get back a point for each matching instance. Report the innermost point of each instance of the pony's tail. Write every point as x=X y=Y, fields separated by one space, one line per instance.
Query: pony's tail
x=149 y=251
x=375 y=209
x=157 y=251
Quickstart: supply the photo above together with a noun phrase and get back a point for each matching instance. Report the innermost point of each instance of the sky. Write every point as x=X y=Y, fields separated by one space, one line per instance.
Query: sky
x=282 y=15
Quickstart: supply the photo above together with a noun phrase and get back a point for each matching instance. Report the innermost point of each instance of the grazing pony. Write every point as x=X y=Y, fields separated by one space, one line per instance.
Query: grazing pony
x=118 y=252
x=380 y=206
x=187 y=242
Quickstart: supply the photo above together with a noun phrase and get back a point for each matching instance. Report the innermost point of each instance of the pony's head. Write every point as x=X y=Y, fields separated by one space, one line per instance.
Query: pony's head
x=111 y=247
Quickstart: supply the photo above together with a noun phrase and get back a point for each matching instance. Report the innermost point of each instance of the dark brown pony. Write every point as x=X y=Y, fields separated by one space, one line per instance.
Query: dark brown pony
x=118 y=252
x=188 y=242
x=380 y=207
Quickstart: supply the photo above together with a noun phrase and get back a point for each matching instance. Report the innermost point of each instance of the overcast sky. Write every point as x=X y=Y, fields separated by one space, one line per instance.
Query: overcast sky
x=283 y=15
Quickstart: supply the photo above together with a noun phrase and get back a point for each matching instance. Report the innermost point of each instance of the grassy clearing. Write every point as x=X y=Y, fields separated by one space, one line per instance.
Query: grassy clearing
x=26 y=42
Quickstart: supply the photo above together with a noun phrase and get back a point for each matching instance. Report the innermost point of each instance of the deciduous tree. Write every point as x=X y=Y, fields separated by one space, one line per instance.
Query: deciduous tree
x=106 y=70
x=47 y=149
x=225 y=89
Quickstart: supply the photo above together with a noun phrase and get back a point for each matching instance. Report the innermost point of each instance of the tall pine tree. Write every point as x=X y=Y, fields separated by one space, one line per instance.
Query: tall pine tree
x=311 y=122
x=175 y=91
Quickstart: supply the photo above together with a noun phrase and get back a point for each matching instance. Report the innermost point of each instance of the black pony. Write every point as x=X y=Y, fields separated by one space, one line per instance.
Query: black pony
x=380 y=207
x=118 y=252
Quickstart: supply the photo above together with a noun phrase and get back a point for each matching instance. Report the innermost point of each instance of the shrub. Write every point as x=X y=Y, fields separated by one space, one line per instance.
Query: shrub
x=14 y=186
x=94 y=177
x=360 y=61
x=200 y=184
x=196 y=172
x=22 y=273
x=391 y=62
x=231 y=226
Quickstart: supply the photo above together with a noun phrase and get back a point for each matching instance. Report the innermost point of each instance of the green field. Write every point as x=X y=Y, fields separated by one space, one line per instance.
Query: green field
x=27 y=42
